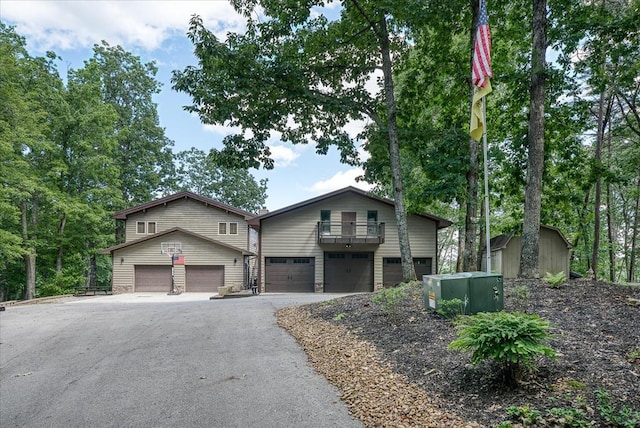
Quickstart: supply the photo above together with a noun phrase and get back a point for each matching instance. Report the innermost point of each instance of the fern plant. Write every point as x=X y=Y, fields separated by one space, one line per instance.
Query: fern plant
x=512 y=339
x=555 y=280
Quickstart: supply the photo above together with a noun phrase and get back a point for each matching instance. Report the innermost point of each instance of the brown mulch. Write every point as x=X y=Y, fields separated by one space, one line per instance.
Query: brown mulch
x=397 y=371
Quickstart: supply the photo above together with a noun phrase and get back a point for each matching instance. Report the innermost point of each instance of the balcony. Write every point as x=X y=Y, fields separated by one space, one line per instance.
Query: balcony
x=350 y=233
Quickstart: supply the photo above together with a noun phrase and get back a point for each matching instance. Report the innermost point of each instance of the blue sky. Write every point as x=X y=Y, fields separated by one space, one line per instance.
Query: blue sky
x=155 y=31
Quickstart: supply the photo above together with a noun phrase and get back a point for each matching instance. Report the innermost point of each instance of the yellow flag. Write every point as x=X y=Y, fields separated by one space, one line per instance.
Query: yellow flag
x=477 y=117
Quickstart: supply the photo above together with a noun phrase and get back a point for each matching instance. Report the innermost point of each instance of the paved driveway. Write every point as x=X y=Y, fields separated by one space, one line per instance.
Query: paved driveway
x=152 y=360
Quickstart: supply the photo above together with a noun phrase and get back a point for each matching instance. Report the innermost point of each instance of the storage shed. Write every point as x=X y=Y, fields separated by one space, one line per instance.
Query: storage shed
x=553 y=257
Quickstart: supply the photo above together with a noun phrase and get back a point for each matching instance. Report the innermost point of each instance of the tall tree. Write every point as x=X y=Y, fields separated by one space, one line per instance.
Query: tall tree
x=535 y=134
x=296 y=72
x=199 y=173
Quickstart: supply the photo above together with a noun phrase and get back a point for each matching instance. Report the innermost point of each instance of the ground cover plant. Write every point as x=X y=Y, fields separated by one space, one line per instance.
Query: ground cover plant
x=594 y=380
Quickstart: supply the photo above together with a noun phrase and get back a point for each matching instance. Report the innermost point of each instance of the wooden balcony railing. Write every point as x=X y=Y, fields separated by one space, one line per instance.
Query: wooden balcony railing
x=350 y=232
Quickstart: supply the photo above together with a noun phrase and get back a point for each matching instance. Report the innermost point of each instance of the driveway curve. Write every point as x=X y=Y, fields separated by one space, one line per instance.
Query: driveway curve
x=153 y=360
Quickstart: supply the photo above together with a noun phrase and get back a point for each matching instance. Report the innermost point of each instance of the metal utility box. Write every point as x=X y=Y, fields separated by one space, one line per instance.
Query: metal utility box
x=479 y=291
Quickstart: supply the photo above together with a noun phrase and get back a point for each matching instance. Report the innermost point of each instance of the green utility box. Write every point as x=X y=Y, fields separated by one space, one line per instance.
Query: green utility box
x=479 y=291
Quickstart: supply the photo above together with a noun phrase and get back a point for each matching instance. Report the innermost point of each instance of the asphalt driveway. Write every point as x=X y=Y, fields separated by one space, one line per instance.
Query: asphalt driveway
x=152 y=360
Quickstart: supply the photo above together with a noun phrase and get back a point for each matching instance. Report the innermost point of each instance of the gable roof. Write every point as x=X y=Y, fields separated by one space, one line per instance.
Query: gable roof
x=500 y=242
x=255 y=221
x=122 y=215
x=176 y=229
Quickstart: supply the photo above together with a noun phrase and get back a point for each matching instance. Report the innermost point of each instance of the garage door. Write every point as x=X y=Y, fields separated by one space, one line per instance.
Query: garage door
x=348 y=272
x=152 y=278
x=204 y=279
x=392 y=269
x=289 y=274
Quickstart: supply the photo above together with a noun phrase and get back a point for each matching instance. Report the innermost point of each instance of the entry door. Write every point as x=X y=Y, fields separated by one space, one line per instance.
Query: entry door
x=348 y=224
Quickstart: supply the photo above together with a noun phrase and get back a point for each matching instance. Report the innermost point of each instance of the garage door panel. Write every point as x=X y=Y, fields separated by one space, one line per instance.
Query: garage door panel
x=152 y=278
x=289 y=274
x=204 y=279
x=392 y=269
x=348 y=272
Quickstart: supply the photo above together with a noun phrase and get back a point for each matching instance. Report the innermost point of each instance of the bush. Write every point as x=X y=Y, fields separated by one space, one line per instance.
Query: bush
x=389 y=299
x=450 y=309
x=512 y=339
x=555 y=281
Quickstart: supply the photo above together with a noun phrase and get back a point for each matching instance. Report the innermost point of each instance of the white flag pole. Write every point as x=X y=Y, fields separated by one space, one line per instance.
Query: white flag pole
x=486 y=183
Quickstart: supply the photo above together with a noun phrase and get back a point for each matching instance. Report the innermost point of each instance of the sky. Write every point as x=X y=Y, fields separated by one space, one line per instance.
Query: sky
x=156 y=31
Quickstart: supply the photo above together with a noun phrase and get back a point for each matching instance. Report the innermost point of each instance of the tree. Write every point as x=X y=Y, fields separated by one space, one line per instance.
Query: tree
x=305 y=77
x=198 y=173
x=535 y=165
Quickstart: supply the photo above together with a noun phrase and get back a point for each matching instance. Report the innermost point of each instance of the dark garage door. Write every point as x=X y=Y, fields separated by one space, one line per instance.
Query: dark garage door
x=152 y=278
x=289 y=274
x=204 y=279
x=348 y=272
x=392 y=269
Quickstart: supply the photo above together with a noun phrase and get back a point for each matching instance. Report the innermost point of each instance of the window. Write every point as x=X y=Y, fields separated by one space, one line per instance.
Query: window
x=372 y=222
x=227 y=228
x=144 y=228
x=325 y=222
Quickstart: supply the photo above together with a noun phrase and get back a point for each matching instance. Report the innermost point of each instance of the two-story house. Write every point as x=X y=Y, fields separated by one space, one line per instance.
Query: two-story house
x=343 y=241
x=195 y=242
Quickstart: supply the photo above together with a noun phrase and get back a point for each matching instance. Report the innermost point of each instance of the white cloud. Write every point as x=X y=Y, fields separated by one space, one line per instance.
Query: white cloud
x=144 y=24
x=283 y=155
x=222 y=130
x=340 y=180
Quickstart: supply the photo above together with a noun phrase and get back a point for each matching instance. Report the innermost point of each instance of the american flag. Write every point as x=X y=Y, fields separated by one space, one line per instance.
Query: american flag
x=481 y=68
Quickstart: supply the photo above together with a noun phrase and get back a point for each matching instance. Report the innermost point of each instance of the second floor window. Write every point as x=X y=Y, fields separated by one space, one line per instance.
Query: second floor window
x=145 y=227
x=227 y=228
x=325 y=222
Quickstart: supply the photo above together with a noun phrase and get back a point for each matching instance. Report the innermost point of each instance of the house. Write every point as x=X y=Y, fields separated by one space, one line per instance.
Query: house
x=343 y=241
x=194 y=241
x=553 y=255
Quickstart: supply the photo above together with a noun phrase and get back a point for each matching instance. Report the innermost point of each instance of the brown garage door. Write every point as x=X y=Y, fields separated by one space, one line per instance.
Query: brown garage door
x=348 y=272
x=392 y=269
x=289 y=274
x=204 y=279
x=152 y=278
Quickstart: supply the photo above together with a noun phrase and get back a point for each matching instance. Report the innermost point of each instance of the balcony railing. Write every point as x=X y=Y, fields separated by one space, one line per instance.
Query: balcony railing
x=350 y=232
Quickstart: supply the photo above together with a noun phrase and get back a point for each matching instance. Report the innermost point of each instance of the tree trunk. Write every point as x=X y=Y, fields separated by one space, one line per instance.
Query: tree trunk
x=408 y=270
x=30 y=253
x=529 y=267
x=611 y=225
x=91 y=271
x=460 y=257
x=634 y=237
x=598 y=192
x=60 y=253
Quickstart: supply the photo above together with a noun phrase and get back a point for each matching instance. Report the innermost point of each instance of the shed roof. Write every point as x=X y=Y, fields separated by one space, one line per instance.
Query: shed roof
x=122 y=215
x=255 y=221
x=500 y=242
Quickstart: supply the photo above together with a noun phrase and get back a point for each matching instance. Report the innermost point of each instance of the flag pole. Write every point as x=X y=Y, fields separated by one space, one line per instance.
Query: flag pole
x=486 y=183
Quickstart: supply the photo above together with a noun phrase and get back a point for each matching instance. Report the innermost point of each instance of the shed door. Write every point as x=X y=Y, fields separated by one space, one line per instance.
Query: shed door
x=348 y=272
x=152 y=278
x=204 y=279
x=392 y=269
x=289 y=274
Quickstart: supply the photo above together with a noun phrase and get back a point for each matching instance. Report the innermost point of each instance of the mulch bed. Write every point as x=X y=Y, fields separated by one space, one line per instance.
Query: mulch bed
x=596 y=338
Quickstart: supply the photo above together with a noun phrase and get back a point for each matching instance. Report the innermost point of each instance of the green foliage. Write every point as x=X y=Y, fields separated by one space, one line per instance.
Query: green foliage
x=624 y=417
x=512 y=339
x=525 y=415
x=634 y=355
x=450 y=309
x=389 y=298
x=340 y=316
x=568 y=417
x=555 y=280
x=521 y=296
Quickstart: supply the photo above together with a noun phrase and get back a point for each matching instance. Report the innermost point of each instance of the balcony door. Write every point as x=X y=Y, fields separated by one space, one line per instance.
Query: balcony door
x=348 y=223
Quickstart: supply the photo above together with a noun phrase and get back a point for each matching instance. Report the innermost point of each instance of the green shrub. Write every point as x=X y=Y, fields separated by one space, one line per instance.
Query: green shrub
x=568 y=417
x=555 y=280
x=512 y=339
x=525 y=415
x=450 y=309
x=389 y=298
x=625 y=417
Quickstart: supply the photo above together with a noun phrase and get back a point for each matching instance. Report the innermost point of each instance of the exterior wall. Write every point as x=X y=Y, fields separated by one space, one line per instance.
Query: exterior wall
x=193 y=215
x=295 y=234
x=511 y=258
x=195 y=251
x=554 y=254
